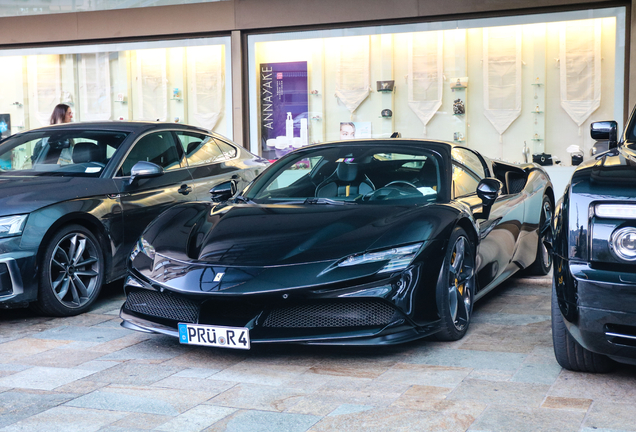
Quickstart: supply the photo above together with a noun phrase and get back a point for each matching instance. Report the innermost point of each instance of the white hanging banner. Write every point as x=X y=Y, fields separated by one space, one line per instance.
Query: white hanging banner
x=94 y=87
x=206 y=84
x=45 y=84
x=502 y=76
x=425 y=74
x=353 y=71
x=152 y=85
x=580 y=68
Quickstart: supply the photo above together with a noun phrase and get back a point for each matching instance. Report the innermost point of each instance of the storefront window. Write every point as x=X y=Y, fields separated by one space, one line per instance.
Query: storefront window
x=175 y=81
x=493 y=84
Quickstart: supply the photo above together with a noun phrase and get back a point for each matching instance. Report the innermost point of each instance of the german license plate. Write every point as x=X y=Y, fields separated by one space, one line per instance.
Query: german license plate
x=216 y=336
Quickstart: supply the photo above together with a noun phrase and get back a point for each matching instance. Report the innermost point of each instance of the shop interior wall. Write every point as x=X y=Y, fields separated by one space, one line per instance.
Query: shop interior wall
x=551 y=131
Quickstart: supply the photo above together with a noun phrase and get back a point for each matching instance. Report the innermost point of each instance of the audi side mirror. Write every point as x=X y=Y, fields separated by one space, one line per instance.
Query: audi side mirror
x=605 y=131
x=488 y=190
x=144 y=169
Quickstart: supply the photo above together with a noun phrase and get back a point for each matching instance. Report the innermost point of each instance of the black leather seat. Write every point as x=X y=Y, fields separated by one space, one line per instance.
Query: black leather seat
x=427 y=176
x=346 y=181
x=87 y=152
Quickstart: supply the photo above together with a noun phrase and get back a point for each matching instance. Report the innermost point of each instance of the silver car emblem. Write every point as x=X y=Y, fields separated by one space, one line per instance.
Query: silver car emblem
x=218 y=277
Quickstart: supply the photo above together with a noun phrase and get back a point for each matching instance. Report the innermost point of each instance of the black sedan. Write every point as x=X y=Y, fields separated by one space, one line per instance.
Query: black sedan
x=355 y=242
x=594 y=294
x=75 y=198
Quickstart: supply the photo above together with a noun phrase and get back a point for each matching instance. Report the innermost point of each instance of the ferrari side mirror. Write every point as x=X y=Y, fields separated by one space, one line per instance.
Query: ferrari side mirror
x=488 y=190
x=223 y=191
x=605 y=130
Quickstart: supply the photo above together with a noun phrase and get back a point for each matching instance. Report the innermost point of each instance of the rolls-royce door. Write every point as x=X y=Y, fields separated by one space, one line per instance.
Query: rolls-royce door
x=211 y=161
x=144 y=197
x=500 y=231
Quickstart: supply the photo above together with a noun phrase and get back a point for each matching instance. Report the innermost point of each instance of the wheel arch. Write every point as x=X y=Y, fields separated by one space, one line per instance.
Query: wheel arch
x=89 y=222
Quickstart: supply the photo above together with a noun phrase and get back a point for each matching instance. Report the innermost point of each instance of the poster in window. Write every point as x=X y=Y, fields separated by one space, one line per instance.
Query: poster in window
x=283 y=108
x=5 y=125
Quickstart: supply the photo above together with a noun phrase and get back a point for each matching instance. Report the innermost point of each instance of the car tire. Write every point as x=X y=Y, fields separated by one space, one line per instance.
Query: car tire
x=543 y=260
x=456 y=287
x=71 y=272
x=568 y=352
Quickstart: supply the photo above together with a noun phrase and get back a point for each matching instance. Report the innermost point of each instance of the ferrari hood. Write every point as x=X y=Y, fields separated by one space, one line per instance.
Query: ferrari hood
x=273 y=235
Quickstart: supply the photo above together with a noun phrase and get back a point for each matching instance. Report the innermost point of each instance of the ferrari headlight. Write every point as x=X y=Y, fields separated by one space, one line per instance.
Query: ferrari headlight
x=616 y=211
x=142 y=246
x=12 y=225
x=623 y=243
x=398 y=258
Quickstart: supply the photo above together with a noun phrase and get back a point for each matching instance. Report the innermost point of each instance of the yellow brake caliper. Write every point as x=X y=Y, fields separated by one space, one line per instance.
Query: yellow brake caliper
x=460 y=288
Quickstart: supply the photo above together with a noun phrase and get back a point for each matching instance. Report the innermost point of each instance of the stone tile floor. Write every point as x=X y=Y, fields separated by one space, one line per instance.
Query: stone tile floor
x=87 y=373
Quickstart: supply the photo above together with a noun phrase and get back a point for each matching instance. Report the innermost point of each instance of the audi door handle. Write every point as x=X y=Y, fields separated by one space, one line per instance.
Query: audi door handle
x=185 y=189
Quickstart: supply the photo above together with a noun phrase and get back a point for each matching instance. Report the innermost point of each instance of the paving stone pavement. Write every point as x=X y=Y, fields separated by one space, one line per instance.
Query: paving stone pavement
x=87 y=373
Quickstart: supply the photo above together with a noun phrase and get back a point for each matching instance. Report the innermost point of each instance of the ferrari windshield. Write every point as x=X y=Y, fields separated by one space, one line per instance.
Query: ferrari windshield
x=343 y=174
x=63 y=153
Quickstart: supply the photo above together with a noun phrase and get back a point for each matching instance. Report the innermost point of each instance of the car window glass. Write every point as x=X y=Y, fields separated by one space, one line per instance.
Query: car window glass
x=200 y=149
x=67 y=153
x=292 y=173
x=158 y=148
x=464 y=182
x=360 y=175
x=470 y=160
x=229 y=151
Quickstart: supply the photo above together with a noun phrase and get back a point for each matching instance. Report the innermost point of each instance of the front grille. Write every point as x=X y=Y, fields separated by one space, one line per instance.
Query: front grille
x=162 y=305
x=621 y=334
x=335 y=314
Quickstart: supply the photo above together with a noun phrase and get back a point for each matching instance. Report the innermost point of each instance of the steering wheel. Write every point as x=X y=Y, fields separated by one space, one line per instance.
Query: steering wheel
x=390 y=190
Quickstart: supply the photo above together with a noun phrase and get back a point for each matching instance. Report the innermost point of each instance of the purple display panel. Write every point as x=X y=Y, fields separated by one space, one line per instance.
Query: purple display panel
x=283 y=88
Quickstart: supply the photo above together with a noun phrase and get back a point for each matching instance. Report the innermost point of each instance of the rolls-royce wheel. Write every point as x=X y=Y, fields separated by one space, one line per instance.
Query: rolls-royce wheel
x=543 y=260
x=568 y=352
x=71 y=272
x=456 y=287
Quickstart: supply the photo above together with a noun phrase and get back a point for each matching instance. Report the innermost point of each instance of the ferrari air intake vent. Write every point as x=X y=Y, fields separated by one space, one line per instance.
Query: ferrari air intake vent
x=337 y=314
x=163 y=306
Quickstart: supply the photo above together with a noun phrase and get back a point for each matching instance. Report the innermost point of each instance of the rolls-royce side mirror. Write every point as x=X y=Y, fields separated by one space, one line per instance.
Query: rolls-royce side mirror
x=488 y=190
x=605 y=131
x=144 y=169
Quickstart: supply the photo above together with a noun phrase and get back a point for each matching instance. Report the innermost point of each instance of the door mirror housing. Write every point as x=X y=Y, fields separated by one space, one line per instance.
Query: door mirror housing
x=488 y=190
x=223 y=191
x=144 y=169
x=605 y=131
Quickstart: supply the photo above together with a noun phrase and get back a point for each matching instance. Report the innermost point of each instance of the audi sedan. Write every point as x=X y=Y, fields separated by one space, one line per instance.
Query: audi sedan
x=74 y=198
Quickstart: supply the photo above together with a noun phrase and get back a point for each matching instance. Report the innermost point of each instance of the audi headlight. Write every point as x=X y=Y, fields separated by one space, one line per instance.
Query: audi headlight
x=398 y=258
x=142 y=246
x=12 y=225
x=623 y=243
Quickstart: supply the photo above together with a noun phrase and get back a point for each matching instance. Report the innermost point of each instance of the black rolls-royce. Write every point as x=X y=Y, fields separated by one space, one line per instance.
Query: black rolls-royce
x=594 y=293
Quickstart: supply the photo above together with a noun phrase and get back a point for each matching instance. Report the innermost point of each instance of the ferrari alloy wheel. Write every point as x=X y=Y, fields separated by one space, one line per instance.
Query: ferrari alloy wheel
x=568 y=352
x=456 y=287
x=543 y=261
x=70 y=272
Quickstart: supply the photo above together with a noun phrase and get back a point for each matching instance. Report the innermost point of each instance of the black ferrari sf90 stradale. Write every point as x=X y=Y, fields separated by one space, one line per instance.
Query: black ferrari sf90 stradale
x=357 y=242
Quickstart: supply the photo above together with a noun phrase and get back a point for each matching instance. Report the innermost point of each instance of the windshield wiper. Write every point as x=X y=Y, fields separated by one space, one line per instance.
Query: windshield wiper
x=326 y=201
